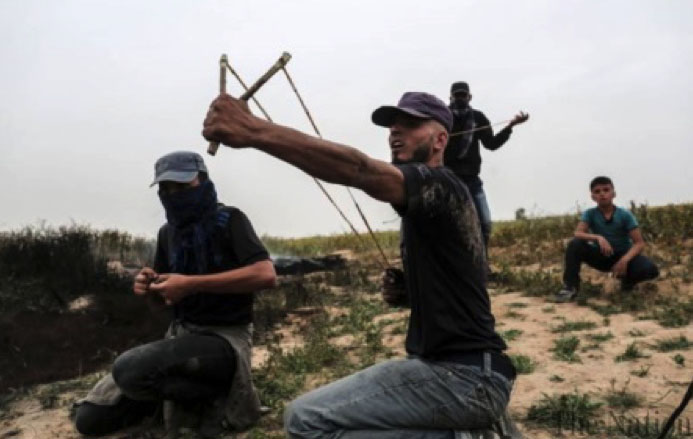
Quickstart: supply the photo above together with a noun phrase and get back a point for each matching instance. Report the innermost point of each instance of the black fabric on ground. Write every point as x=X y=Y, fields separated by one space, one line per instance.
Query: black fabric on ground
x=289 y=266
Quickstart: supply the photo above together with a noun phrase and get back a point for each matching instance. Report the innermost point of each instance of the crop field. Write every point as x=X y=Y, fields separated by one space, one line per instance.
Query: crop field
x=611 y=365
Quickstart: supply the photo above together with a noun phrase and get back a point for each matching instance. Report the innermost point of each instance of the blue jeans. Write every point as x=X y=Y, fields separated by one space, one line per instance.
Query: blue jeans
x=476 y=190
x=403 y=399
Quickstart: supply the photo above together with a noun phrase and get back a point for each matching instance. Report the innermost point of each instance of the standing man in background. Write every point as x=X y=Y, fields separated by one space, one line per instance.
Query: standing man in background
x=462 y=154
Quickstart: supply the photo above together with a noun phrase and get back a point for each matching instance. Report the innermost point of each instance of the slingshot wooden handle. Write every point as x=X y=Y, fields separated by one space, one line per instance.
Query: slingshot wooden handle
x=281 y=62
x=214 y=146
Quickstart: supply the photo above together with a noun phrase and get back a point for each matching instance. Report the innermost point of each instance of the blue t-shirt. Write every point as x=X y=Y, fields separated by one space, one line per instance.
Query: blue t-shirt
x=616 y=230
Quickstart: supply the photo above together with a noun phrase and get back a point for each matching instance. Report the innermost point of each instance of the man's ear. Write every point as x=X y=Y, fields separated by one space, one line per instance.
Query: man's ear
x=594 y=197
x=442 y=139
x=470 y=98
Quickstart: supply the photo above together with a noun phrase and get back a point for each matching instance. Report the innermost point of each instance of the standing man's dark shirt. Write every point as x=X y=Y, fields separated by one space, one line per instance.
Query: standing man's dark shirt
x=465 y=159
x=444 y=264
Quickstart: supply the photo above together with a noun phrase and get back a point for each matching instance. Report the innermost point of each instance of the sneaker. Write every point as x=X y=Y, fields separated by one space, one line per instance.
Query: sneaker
x=566 y=294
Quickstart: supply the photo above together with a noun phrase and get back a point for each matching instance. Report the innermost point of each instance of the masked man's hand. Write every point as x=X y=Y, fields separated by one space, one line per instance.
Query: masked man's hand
x=172 y=287
x=143 y=279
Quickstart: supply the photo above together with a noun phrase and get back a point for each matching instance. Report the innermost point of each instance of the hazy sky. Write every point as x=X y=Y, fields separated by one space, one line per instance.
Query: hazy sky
x=93 y=92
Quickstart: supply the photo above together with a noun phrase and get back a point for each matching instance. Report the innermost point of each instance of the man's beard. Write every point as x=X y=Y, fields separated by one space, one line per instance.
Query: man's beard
x=421 y=154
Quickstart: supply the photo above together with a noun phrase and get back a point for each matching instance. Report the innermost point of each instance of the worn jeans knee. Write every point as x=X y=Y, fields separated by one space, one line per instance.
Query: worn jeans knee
x=403 y=399
x=297 y=421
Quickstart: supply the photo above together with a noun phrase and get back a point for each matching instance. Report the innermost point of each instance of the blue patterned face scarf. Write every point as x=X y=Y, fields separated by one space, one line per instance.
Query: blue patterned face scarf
x=191 y=217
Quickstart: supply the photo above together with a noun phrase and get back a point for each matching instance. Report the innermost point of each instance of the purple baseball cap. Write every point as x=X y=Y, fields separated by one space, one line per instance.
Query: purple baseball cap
x=414 y=103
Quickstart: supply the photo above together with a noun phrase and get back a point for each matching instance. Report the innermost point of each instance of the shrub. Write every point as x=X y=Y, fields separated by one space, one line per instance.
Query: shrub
x=565 y=411
x=523 y=364
x=564 y=349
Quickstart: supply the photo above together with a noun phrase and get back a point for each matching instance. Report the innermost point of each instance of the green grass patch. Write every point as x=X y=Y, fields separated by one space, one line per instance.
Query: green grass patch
x=600 y=338
x=568 y=326
x=564 y=349
x=642 y=372
x=605 y=310
x=399 y=328
x=531 y=283
x=673 y=344
x=679 y=359
x=673 y=314
x=517 y=305
x=361 y=314
x=631 y=353
x=515 y=315
x=564 y=411
x=636 y=333
x=622 y=399
x=523 y=364
x=511 y=334
x=283 y=375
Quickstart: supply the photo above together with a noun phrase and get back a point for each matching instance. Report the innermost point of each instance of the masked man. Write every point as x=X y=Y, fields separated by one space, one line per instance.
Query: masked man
x=208 y=263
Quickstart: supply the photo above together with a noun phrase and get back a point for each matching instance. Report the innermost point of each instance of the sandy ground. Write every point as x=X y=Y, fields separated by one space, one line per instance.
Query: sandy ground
x=661 y=390
x=597 y=373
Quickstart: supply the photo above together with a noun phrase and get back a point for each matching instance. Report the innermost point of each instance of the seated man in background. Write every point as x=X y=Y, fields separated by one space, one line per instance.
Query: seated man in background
x=606 y=238
x=208 y=263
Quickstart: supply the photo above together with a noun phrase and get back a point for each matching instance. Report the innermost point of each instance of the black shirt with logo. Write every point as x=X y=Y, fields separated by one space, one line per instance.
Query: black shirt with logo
x=445 y=266
x=239 y=246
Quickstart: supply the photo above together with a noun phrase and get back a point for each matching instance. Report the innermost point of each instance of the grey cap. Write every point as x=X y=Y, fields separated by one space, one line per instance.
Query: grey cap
x=179 y=166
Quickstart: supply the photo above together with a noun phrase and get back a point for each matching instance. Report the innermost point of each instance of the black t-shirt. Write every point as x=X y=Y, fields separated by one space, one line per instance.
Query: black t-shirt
x=468 y=163
x=444 y=265
x=239 y=246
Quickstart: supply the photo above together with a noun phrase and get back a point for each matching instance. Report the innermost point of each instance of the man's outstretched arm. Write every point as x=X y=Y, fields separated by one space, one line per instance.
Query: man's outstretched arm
x=230 y=122
x=493 y=142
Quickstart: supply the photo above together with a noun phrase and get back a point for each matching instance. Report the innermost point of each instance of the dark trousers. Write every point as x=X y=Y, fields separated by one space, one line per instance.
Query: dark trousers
x=190 y=368
x=640 y=268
